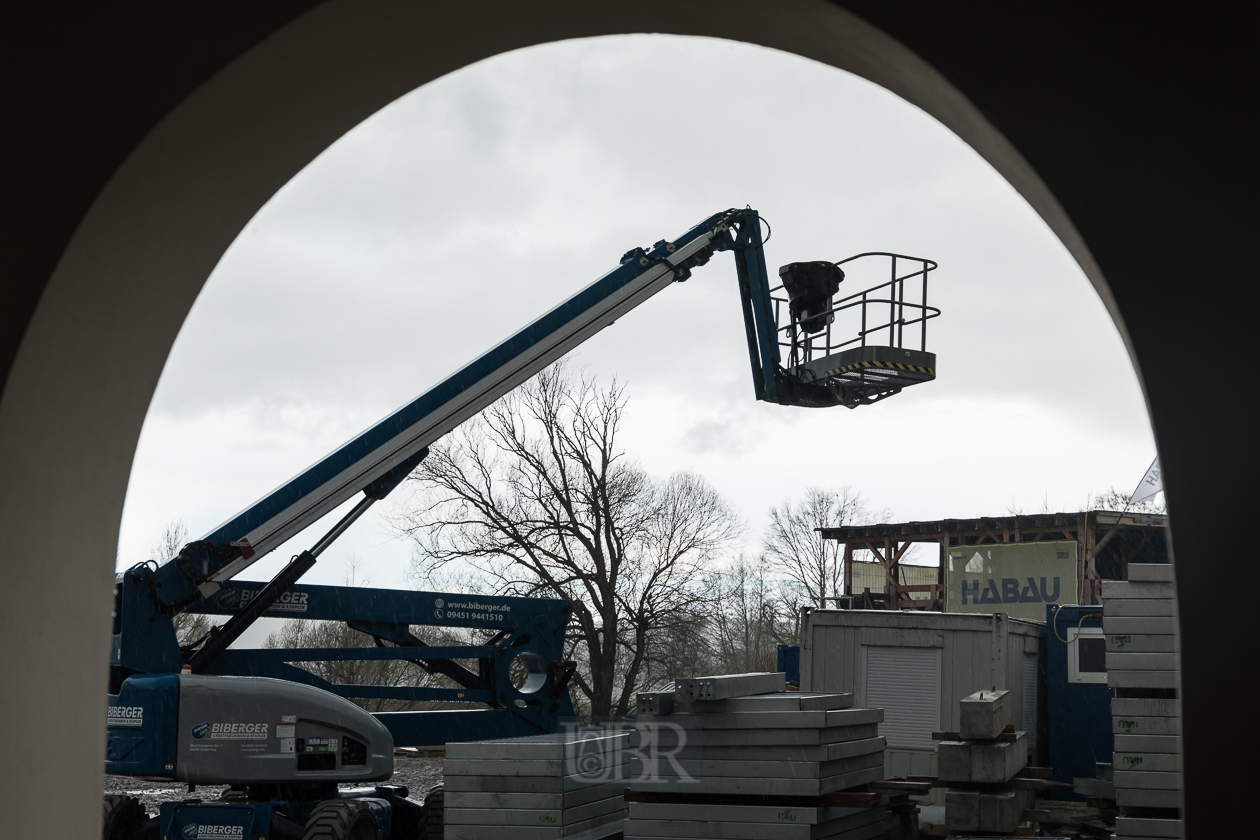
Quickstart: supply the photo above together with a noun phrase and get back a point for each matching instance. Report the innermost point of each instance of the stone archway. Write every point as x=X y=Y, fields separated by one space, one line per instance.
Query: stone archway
x=90 y=358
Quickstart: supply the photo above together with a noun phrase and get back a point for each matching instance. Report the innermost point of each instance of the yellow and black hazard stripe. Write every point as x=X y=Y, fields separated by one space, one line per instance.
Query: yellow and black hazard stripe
x=884 y=365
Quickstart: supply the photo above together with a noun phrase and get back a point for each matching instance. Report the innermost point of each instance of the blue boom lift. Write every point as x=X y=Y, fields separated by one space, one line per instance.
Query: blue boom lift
x=282 y=738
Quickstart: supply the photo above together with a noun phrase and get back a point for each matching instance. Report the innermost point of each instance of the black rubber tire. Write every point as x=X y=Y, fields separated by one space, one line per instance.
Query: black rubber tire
x=433 y=818
x=121 y=816
x=342 y=819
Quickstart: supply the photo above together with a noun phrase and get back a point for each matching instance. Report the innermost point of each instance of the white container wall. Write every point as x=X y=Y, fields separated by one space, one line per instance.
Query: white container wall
x=917 y=666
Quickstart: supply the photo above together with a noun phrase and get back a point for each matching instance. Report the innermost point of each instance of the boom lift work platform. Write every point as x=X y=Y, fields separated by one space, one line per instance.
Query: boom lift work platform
x=282 y=737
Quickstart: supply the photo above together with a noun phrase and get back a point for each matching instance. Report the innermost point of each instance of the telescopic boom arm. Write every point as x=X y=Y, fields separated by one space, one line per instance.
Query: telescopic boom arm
x=376 y=461
x=380 y=458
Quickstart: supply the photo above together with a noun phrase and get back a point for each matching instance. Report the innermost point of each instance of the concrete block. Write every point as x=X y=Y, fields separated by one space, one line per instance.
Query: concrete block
x=953 y=761
x=1130 y=625
x=1147 y=826
x=557 y=768
x=1142 y=679
x=976 y=761
x=538 y=747
x=1142 y=643
x=509 y=767
x=1145 y=707
x=809 y=720
x=999 y=761
x=1129 y=744
x=962 y=810
x=529 y=784
x=604 y=831
x=1153 y=762
x=608 y=809
x=1162 y=572
x=773 y=814
x=825 y=702
x=990 y=812
x=820 y=752
x=785 y=830
x=983 y=715
x=786 y=701
x=1138 y=607
x=852 y=717
x=656 y=703
x=577 y=831
x=1148 y=798
x=1145 y=779
x=692 y=689
x=764 y=786
x=1141 y=661
x=788 y=737
x=1113 y=589
x=536 y=801
x=754 y=766
x=1001 y=812
x=1145 y=725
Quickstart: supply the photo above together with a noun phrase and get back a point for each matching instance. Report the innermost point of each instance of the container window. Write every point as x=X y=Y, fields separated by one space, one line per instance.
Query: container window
x=1087 y=656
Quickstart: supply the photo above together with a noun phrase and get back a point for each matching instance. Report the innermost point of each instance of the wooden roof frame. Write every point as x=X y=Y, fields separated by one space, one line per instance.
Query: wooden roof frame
x=1094 y=531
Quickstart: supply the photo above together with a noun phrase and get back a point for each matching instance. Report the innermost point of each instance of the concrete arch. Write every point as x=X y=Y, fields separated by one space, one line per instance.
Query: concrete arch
x=90 y=358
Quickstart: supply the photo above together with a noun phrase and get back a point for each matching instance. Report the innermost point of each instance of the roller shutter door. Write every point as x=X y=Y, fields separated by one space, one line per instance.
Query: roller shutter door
x=906 y=683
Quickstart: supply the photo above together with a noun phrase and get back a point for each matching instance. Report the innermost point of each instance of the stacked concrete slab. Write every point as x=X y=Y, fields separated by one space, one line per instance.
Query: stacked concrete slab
x=542 y=787
x=739 y=758
x=987 y=754
x=1140 y=624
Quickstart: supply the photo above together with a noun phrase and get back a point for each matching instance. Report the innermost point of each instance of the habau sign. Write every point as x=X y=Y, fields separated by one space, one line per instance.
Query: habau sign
x=1018 y=579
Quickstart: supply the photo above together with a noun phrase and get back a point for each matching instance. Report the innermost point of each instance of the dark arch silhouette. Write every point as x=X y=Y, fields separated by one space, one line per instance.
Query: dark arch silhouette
x=140 y=140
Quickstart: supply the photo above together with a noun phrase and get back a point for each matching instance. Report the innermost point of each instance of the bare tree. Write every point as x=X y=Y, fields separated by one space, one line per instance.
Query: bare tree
x=794 y=548
x=536 y=496
x=751 y=620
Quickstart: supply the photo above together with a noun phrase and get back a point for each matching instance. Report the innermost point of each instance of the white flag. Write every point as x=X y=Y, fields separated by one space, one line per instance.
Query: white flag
x=1151 y=484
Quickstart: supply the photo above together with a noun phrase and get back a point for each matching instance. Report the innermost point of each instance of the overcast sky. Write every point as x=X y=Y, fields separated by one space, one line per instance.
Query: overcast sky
x=460 y=212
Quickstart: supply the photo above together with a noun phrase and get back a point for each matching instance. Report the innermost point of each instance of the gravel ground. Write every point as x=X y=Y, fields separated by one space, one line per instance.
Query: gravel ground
x=419 y=774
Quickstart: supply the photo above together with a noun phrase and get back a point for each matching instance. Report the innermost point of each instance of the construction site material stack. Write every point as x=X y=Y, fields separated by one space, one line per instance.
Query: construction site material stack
x=1140 y=625
x=978 y=764
x=738 y=758
x=541 y=787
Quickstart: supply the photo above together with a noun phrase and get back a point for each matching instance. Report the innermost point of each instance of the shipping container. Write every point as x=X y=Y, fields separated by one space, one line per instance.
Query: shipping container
x=916 y=666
